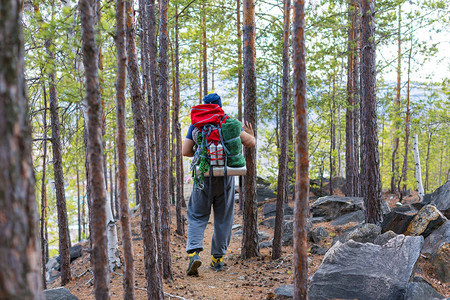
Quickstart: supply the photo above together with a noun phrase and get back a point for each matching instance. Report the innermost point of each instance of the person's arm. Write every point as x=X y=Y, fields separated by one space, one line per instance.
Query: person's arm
x=188 y=147
x=247 y=136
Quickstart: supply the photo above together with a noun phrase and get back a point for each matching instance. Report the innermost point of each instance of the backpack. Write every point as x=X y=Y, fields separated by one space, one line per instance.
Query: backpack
x=215 y=147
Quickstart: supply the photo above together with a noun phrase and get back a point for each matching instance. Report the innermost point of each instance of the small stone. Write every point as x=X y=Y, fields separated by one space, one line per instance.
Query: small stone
x=236 y=226
x=316 y=249
x=318 y=234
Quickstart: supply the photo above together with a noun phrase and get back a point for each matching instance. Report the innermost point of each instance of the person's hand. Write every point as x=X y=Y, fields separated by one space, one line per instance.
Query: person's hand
x=248 y=128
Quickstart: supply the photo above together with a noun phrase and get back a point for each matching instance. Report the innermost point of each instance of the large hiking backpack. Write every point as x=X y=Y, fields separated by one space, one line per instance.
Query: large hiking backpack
x=218 y=142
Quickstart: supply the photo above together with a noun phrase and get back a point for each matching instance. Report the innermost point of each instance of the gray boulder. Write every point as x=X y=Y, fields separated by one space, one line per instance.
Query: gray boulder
x=270 y=210
x=421 y=291
x=359 y=271
x=384 y=238
x=284 y=292
x=316 y=249
x=440 y=261
x=356 y=216
x=60 y=293
x=52 y=264
x=331 y=207
x=288 y=232
x=318 y=234
x=315 y=220
x=426 y=221
x=265 y=244
x=270 y=222
x=440 y=198
x=363 y=233
x=262 y=236
x=435 y=240
x=398 y=219
x=264 y=193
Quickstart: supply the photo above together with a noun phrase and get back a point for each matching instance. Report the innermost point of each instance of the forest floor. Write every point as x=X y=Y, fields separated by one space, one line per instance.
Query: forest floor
x=255 y=278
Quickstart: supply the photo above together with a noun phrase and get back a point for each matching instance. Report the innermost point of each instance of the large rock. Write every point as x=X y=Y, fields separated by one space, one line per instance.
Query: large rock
x=398 y=219
x=270 y=222
x=356 y=216
x=359 y=271
x=435 y=240
x=264 y=193
x=363 y=233
x=270 y=210
x=426 y=221
x=284 y=292
x=384 y=238
x=441 y=262
x=440 y=198
x=421 y=291
x=288 y=232
x=75 y=252
x=318 y=234
x=332 y=207
x=60 y=293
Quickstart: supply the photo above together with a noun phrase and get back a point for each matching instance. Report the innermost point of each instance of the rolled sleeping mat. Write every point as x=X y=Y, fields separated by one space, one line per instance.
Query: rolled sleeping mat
x=218 y=171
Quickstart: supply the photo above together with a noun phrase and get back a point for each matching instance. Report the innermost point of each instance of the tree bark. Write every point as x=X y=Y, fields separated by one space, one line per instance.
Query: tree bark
x=351 y=153
x=140 y=117
x=396 y=139
x=418 y=171
x=128 y=274
x=95 y=152
x=205 y=58
x=332 y=134
x=179 y=157
x=301 y=149
x=371 y=182
x=239 y=62
x=250 y=246
x=20 y=276
x=44 y=240
x=283 y=160
x=63 y=227
x=164 y=101
x=427 y=160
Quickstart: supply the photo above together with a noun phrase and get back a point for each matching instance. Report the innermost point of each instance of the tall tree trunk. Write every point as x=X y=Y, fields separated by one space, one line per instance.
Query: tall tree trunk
x=301 y=149
x=427 y=160
x=44 y=240
x=19 y=251
x=78 y=203
x=63 y=227
x=179 y=157
x=351 y=153
x=407 y=130
x=140 y=117
x=200 y=83
x=418 y=171
x=239 y=65
x=250 y=247
x=283 y=161
x=205 y=58
x=128 y=274
x=332 y=134
x=396 y=139
x=95 y=152
x=371 y=182
x=164 y=101
x=154 y=116
x=116 y=201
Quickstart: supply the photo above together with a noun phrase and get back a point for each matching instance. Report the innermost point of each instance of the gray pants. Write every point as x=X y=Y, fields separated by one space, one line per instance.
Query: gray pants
x=199 y=209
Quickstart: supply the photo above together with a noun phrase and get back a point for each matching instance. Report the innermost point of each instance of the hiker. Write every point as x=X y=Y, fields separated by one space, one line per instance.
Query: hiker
x=212 y=194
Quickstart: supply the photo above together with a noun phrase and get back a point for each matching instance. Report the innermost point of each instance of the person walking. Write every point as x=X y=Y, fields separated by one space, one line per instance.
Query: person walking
x=216 y=194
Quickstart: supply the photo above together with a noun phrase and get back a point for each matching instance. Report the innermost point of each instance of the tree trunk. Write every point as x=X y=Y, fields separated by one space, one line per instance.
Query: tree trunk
x=116 y=201
x=427 y=160
x=418 y=171
x=164 y=101
x=250 y=246
x=78 y=203
x=283 y=161
x=19 y=251
x=95 y=152
x=301 y=149
x=396 y=139
x=128 y=274
x=179 y=157
x=351 y=153
x=407 y=131
x=371 y=182
x=239 y=65
x=44 y=240
x=332 y=135
x=200 y=83
x=140 y=117
x=205 y=58
x=63 y=227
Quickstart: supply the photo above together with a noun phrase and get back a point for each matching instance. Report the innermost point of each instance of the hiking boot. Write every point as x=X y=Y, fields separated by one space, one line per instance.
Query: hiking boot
x=194 y=264
x=217 y=263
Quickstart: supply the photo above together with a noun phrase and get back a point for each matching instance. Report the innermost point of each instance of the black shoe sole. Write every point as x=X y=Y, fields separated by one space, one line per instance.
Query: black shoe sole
x=217 y=270
x=193 y=270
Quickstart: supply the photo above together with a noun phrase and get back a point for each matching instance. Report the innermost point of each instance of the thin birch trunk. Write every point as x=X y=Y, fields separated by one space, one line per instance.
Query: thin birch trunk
x=418 y=171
